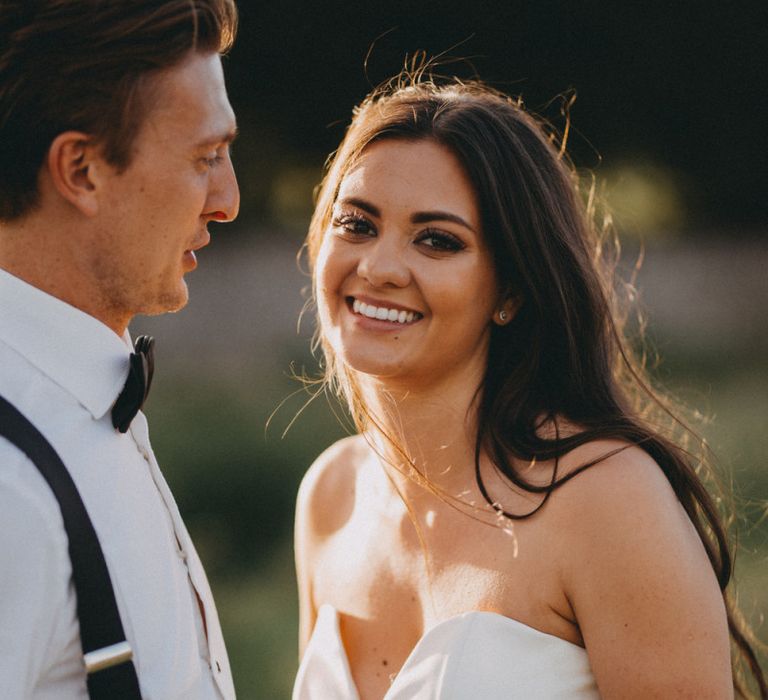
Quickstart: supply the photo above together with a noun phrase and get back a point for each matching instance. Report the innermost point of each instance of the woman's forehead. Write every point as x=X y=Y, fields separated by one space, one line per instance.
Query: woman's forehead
x=419 y=174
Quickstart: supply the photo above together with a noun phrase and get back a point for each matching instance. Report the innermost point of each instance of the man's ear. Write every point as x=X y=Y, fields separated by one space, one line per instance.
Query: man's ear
x=73 y=164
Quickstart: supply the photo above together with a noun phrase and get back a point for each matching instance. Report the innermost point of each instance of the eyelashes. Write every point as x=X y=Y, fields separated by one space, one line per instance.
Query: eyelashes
x=436 y=240
x=217 y=157
x=213 y=161
x=354 y=224
x=440 y=240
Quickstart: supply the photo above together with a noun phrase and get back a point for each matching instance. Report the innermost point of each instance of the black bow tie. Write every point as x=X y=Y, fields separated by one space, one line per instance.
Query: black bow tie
x=136 y=388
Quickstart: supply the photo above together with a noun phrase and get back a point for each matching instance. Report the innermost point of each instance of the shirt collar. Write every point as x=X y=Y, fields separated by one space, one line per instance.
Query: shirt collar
x=74 y=349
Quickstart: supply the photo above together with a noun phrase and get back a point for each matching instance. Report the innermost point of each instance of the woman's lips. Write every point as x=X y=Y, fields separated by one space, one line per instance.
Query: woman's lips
x=383 y=312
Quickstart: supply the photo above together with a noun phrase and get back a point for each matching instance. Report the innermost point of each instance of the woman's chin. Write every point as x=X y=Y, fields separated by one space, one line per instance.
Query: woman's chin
x=374 y=365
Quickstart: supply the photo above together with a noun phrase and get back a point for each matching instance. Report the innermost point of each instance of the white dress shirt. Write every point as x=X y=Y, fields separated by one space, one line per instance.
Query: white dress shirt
x=63 y=370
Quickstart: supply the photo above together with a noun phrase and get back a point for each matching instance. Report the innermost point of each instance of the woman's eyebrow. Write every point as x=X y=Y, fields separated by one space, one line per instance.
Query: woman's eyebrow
x=421 y=217
x=424 y=217
x=363 y=204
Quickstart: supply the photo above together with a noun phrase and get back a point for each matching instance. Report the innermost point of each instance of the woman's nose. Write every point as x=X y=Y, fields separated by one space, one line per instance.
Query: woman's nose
x=382 y=264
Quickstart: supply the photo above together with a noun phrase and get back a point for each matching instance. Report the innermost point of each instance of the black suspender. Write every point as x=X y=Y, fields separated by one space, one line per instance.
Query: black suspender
x=107 y=655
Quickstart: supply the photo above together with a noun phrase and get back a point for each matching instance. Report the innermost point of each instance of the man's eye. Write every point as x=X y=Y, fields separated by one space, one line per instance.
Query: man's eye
x=356 y=225
x=440 y=241
x=213 y=161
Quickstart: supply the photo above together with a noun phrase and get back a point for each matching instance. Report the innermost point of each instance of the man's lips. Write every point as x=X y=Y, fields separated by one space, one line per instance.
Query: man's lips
x=203 y=240
x=199 y=243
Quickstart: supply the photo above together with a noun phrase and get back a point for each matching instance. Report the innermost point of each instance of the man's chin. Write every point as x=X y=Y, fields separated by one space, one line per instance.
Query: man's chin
x=168 y=303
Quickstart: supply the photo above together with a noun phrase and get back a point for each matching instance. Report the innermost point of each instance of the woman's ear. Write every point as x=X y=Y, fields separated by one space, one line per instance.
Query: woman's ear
x=71 y=160
x=507 y=310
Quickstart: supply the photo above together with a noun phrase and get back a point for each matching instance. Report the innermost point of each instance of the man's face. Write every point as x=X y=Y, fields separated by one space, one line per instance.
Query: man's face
x=154 y=215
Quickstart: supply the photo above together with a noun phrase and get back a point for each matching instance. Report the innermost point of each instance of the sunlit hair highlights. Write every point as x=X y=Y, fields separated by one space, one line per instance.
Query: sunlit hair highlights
x=87 y=65
x=563 y=360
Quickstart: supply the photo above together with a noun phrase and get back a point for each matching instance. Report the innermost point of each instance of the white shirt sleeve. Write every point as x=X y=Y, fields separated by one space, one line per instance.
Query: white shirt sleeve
x=36 y=600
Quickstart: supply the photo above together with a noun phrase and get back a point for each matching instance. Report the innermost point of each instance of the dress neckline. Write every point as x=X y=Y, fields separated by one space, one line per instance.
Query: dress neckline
x=329 y=615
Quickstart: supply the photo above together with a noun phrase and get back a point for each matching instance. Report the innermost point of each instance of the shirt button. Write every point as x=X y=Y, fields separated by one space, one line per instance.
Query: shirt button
x=218 y=667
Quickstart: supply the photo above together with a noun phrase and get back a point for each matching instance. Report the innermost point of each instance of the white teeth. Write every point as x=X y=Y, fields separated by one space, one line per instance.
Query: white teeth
x=382 y=313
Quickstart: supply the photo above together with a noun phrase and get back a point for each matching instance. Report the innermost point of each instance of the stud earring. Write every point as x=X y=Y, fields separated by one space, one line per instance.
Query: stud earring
x=502 y=315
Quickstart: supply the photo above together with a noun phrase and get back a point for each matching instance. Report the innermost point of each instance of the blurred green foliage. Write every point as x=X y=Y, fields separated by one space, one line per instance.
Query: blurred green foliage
x=235 y=480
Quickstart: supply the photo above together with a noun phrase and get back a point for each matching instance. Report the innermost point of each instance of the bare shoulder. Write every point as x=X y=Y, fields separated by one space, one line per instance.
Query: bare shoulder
x=325 y=502
x=327 y=490
x=620 y=507
x=622 y=475
x=638 y=579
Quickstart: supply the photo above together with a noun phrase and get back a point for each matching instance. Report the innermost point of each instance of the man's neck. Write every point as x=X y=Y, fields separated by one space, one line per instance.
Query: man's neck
x=45 y=256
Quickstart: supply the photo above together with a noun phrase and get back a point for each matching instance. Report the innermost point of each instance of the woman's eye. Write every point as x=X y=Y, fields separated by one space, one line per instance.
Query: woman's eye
x=356 y=225
x=440 y=241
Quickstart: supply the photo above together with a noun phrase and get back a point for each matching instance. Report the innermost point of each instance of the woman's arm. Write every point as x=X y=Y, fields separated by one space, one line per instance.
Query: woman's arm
x=640 y=584
x=303 y=552
x=326 y=496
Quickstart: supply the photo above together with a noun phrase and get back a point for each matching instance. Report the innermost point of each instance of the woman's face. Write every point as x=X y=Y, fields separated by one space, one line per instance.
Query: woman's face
x=405 y=284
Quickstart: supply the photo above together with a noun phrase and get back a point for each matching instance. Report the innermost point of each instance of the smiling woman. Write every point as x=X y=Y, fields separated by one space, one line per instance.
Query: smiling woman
x=404 y=245
x=475 y=539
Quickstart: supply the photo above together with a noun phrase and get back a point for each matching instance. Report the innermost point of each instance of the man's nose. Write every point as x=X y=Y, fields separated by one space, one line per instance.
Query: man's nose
x=224 y=198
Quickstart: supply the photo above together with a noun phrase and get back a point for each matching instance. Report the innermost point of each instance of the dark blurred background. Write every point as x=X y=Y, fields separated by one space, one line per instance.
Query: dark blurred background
x=669 y=118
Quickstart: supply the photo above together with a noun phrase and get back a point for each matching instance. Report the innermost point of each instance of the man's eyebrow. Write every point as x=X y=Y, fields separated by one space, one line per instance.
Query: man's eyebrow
x=227 y=138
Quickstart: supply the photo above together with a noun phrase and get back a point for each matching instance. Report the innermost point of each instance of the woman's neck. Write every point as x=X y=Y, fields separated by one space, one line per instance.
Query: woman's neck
x=424 y=433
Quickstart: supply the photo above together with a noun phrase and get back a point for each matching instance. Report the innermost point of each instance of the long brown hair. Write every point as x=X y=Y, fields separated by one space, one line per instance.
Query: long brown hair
x=564 y=357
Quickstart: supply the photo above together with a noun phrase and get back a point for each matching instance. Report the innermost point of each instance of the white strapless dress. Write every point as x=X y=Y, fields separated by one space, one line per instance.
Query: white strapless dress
x=473 y=656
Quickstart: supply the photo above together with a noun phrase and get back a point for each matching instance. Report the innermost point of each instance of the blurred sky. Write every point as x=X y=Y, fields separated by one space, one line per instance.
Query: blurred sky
x=676 y=90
